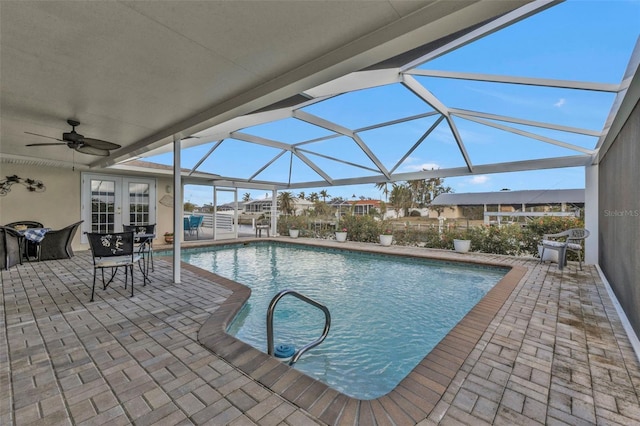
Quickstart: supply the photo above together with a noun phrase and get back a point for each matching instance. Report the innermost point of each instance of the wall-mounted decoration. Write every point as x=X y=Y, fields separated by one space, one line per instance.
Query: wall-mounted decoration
x=32 y=185
x=166 y=200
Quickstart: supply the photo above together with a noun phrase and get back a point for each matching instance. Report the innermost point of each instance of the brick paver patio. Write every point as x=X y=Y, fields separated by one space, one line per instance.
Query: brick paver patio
x=554 y=352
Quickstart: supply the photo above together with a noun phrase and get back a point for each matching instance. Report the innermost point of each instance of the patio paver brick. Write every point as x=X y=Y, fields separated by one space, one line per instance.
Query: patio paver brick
x=553 y=353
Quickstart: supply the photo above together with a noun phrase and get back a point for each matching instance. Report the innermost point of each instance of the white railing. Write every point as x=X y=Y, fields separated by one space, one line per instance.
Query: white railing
x=207 y=222
x=224 y=222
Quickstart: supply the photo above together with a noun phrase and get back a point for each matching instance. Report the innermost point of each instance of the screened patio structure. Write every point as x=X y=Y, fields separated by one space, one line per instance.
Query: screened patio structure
x=303 y=96
x=430 y=112
x=406 y=90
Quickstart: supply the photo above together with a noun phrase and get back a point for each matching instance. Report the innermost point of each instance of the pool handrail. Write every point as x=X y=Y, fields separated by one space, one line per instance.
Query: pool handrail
x=272 y=305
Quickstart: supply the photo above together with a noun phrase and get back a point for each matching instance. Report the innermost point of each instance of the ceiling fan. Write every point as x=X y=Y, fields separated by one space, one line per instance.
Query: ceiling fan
x=78 y=142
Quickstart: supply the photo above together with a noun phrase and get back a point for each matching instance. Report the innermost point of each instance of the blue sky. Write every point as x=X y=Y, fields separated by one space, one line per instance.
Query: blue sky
x=575 y=40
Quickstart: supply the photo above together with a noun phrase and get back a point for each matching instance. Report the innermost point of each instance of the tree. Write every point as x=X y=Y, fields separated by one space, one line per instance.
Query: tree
x=419 y=192
x=401 y=197
x=313 y=197
x=383 y=209
x=384 y=187
x=189 y=206
x=324 y=194
x=285 y=202
x=246 y=197
x=321 y=209
x=435 y=187
x=301 y=195
x=473 y=212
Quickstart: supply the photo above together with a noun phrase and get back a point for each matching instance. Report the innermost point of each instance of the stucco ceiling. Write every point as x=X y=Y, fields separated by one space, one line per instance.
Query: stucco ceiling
x=141 y=73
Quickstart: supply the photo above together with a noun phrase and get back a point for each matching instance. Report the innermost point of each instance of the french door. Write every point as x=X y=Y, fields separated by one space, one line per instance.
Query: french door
x=110 y=201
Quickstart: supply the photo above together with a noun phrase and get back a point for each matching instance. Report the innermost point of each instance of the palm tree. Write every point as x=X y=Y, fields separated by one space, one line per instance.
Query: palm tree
x=401 y=197
x=301 y=195
x=246 y=197
x=419 y=192
x=285 y=202
x=324 y=194
x=313 y=197
x=384 y=187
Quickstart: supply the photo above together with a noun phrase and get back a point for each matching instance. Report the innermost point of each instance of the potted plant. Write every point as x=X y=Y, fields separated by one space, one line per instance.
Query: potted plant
x=294 y=231
x=168 y=237
x=463 y=245
x=341 y=236
x=386 y=236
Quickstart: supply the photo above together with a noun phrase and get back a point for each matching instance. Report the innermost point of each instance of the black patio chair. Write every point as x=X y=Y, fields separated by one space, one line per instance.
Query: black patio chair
x=114 y=251
x=10 y=247
x=30 y=248
x=144 y=243
x=56 y=244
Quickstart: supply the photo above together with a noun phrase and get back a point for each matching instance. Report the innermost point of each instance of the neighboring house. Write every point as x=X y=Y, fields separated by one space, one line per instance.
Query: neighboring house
x=229 y=207
x=357 y=208
x=512 y=204
x=364 y=207
x=342 y=208
x=264 y=206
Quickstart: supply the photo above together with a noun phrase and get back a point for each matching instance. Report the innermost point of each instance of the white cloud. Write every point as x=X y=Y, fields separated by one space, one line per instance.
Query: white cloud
x=420 y=167
x=479 y=180
x=560 y=103
x=513 y=99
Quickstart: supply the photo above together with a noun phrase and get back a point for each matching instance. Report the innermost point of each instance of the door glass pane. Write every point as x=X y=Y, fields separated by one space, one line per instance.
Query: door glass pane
x=138 y=203
x=102 y=205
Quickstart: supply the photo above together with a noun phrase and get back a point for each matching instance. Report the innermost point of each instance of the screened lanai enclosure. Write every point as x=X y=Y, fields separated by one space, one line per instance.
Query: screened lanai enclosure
x=455 y=107
x=311 y=97
x=491 y=99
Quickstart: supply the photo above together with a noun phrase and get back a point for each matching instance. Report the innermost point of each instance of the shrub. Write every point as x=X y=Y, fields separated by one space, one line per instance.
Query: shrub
x=415 y=213
x=360 y=228
x=532 y=234
x=510 y=239
x=497 y=240
x=426 y=236
x=293 y=222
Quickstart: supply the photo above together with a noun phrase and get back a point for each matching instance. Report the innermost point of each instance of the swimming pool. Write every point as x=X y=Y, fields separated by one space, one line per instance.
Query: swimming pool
x=387 y=312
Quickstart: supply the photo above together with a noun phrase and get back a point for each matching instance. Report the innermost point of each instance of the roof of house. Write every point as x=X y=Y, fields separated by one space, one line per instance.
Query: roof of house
x=535 y=196
x=349 y=203
x=297 y=201
x=366 y=203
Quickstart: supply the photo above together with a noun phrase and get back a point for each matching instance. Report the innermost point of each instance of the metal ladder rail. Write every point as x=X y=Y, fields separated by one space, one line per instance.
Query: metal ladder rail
x=327 y=323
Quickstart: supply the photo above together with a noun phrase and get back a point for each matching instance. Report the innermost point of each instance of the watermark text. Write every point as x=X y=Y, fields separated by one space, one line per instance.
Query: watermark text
x=621 y=213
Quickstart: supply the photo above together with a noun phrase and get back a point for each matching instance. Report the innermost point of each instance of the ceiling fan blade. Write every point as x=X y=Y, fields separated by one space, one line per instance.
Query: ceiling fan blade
x=44 y=136
x=46 y=144
x=97 y=143
x=92 y=150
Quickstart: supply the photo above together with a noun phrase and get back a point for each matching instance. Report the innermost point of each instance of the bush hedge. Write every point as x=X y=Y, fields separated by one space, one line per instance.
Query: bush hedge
x=511 y=239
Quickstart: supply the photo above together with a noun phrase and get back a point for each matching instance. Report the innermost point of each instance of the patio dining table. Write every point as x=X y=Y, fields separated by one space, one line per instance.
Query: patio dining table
x=145 y=249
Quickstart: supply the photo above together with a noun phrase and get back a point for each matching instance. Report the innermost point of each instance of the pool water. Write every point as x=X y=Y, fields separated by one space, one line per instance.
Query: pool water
x=387 y=312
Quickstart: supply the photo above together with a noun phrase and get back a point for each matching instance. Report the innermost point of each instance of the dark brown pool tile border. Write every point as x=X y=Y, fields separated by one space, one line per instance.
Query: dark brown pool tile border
x=411 y=401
